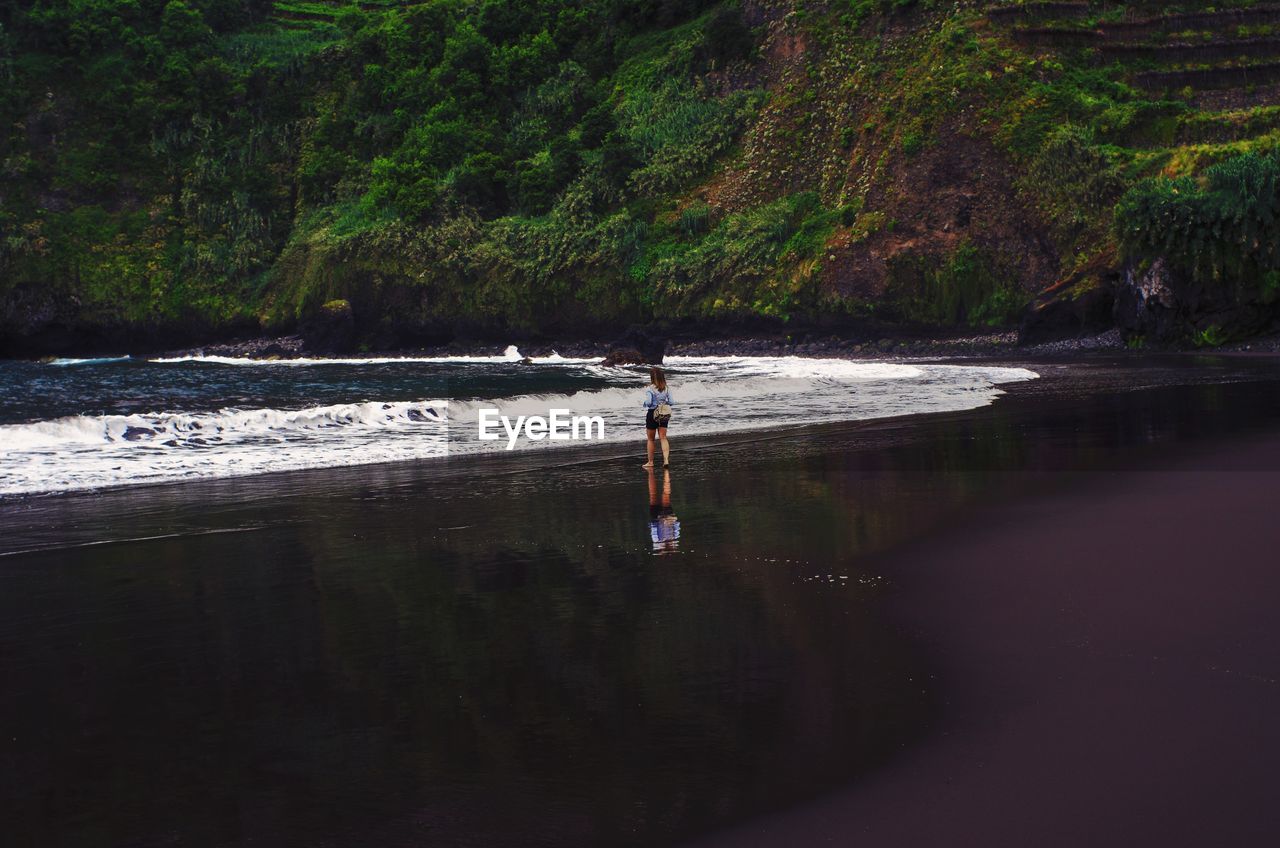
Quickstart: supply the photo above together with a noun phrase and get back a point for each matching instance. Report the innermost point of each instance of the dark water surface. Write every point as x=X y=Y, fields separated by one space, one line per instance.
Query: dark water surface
x=33 y=391
x=500 y=652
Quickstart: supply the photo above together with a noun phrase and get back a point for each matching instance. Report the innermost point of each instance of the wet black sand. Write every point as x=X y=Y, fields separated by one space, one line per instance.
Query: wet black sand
x=1048 y=621
x=1109 y=656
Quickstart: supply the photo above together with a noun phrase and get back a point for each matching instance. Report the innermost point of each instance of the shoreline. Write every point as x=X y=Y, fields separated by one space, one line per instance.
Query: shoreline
x=1002 y=345
x=765 y=344
x=1058 y=384
x=1056 y=379
x=887 y=342
x=884 y=431
x=808 y=344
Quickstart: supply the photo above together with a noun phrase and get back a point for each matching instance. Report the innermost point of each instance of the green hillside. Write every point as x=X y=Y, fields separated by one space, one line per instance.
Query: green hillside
x=177 y=171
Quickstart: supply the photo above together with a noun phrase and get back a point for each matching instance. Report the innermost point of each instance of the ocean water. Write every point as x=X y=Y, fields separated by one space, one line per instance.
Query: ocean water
x=75 y=424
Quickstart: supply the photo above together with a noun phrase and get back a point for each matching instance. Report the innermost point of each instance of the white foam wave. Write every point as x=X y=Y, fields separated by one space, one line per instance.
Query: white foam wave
x=97 y=360
x=227 y=426
x=93 y=451
x=785 y=392
x=713 y=395
x=512 y=354
x=744 y=367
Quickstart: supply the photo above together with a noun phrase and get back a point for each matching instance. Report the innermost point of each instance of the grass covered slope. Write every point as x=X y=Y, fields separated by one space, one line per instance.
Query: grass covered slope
x=180 y=170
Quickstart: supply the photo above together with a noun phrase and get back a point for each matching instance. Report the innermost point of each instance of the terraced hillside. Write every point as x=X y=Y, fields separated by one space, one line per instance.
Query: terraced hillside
x=1198 y=88
x=187 y=170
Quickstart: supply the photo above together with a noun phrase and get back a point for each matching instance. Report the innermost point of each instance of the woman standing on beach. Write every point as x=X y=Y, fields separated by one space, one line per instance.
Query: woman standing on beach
x=658 y=403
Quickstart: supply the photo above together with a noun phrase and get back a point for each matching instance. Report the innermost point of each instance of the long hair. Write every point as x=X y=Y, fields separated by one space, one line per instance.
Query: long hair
x=658 y=379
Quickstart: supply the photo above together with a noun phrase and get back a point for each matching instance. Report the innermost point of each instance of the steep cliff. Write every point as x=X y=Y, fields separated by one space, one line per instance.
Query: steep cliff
x=178 y=171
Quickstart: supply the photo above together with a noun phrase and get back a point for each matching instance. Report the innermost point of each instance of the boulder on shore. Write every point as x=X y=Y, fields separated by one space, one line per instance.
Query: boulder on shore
x=637 y=346
x=1157 y=304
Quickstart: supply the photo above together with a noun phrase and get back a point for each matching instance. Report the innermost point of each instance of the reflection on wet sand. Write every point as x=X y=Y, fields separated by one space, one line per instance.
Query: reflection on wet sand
x=664 y=527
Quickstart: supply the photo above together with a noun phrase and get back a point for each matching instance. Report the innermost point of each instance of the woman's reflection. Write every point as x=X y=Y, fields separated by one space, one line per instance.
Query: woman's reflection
x=664 y=527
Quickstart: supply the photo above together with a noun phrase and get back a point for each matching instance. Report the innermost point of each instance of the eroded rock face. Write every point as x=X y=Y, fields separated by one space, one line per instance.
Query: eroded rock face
x=637 y=346
x=1155 y=304
x=332 y=329
x=1162 y=306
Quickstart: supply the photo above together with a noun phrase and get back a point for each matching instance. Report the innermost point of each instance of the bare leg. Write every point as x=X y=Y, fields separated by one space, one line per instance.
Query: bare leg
x=649 y=447
x=666 y=447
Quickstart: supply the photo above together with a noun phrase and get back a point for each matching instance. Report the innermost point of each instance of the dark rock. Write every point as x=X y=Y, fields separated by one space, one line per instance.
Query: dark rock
x=330 y=329
x=1079 y=306
x=283 y=347
x=34 y=319
x=1161 y=306
x=416 y=415
x=637 y=346
x=136 y=434
x=1146 y=305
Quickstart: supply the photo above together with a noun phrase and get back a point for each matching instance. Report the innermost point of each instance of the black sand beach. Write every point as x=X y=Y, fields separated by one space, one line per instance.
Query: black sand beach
x=1046 y=621
x=1110 y=668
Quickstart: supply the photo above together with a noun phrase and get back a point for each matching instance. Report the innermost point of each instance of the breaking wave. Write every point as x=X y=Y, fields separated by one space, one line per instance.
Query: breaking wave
x=510 y=355
x=99 y=360
x=713 y=395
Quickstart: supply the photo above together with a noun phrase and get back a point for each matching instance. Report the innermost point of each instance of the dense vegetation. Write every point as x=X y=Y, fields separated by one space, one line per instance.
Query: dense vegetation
x=1222 y=227
x=479 y=165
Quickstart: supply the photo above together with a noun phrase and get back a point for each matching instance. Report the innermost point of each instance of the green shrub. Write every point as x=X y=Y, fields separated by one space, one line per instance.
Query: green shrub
x=968 y=287
x=695 y=219
x=761 y=262
x=1211 y=336
x=1219 y=226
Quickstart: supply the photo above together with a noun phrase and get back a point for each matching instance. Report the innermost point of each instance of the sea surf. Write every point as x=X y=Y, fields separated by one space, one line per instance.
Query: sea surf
x=95 y=423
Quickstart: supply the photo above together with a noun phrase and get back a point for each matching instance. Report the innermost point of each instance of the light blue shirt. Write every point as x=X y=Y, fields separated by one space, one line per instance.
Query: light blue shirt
x=653 y=397
x=664 y=532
